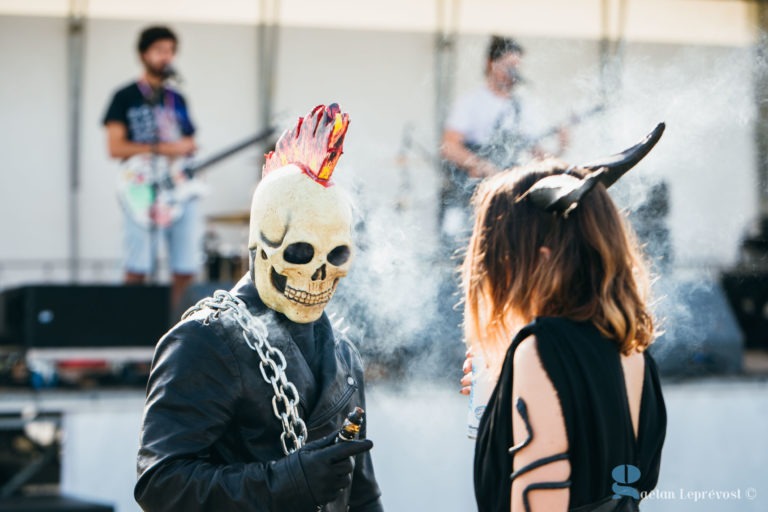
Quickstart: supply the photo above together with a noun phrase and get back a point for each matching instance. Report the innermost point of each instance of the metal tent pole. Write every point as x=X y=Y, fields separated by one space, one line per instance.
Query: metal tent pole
x=611 y=47
x=268 y=34
x=761 y=126
x=75 y=51
x=445 y=59
x=446 y=29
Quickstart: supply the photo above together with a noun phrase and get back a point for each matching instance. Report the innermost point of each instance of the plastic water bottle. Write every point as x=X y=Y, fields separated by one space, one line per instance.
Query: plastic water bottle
x=480 y=392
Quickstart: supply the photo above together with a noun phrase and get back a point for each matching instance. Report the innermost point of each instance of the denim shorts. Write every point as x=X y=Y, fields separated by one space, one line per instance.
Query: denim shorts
x=183 y=242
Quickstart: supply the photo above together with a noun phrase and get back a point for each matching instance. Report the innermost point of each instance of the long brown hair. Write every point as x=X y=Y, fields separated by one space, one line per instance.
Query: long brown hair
x=523 y=262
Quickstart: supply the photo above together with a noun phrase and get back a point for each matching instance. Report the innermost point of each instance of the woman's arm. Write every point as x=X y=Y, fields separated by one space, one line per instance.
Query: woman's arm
x=539 y=437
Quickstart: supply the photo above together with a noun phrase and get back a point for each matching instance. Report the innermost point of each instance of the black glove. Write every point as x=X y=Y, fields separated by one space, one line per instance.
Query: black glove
x=327 y=466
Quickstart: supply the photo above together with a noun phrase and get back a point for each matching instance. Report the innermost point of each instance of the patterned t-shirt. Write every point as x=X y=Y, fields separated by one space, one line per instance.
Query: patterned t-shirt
x=148 y=116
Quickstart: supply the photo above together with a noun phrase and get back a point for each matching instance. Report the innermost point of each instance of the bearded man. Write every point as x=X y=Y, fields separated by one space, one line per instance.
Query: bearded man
x=149 y=117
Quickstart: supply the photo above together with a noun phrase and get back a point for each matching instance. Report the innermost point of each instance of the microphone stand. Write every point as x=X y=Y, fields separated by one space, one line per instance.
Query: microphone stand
x=169 y=73
x=154 y=228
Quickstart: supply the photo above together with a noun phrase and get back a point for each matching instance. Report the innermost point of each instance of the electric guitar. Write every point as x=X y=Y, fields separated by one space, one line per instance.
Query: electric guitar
x=458 y=186
x=154 y=188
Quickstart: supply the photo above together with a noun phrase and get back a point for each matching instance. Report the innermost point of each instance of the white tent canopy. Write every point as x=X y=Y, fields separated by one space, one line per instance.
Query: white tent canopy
x=712 y=22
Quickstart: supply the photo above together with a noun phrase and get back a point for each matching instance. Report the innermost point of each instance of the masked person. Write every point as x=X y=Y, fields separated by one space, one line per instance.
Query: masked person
x=148 y=127
x=553 y=266
x=247 y=393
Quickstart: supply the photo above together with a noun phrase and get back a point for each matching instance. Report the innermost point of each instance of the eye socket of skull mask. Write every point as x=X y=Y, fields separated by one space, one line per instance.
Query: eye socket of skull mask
x=299 y=253
x=339 y=255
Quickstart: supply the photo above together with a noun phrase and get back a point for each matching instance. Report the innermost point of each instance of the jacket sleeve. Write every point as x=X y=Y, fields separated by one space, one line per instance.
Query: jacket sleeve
x=193 y=389
x=365 y=495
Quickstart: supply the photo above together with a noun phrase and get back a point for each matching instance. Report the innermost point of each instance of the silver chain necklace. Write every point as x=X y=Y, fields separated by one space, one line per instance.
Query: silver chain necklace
x=272 y=365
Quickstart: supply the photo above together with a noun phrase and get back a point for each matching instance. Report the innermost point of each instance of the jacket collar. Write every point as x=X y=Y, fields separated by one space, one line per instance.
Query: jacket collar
x=335 y=383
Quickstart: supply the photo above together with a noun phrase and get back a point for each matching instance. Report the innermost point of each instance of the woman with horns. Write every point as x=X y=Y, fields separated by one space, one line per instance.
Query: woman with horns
x=577 y=419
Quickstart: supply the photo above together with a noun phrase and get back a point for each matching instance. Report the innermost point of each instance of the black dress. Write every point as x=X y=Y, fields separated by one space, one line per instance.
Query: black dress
x=585 y=369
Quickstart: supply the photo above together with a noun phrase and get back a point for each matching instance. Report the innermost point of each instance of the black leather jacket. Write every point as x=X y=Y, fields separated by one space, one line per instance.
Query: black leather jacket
x=209 y=439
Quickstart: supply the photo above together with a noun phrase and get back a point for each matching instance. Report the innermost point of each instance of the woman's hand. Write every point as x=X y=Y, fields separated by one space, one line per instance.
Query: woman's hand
x=466 y=380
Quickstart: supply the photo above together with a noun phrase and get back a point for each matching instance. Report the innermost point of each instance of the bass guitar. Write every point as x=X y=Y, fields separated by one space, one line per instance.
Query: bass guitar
x=153 y=188
x=504 y=152
x=459 y=186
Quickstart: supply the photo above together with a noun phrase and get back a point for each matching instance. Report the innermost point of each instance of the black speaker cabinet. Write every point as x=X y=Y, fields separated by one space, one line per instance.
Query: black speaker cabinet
x=700 y=334
x=62 y=316
x=748 y=295
x=51 y=504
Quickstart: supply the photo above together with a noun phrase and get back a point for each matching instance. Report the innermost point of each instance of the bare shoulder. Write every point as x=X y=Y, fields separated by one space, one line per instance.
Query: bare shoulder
x=529 y=373
x=531 y=382
x=527 y=351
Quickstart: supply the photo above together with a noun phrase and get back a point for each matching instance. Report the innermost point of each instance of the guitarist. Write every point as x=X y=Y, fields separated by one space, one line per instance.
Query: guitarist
x=148 y=117
x=487 y=131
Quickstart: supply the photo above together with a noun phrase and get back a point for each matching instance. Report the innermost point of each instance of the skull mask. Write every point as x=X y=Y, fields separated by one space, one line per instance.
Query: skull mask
x=300 y=241
x=301 y=226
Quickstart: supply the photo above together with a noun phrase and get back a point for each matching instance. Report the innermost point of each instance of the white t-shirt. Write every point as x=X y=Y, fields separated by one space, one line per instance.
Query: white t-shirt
x=479 y=113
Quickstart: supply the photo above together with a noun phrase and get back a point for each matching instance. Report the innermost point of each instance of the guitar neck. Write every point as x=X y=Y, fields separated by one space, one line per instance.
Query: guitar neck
x=572 y=121
x=528 y=143
x=217 y=157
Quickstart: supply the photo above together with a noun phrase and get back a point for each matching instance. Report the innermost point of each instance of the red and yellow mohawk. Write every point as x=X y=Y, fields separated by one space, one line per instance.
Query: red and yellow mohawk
x=314 y=144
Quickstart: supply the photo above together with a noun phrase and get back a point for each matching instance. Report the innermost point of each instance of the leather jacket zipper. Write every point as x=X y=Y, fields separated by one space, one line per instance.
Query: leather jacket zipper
x=333 y=410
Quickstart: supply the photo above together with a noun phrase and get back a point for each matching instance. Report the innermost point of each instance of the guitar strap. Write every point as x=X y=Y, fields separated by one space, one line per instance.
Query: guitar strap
x=506 y=139
x=502 y=148
x=513 y=107
x=152 y=96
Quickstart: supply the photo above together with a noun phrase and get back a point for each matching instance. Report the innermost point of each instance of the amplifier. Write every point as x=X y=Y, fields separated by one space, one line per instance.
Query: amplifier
x=748 y=294
x=90 y=316
x=700 y=334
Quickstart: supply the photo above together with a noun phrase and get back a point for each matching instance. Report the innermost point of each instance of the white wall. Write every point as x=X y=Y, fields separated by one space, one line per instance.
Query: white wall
x=385 y=80
x=33 y=128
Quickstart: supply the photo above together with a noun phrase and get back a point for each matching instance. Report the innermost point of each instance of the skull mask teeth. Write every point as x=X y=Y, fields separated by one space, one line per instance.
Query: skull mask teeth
x=300 y=296
x=303 y=297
